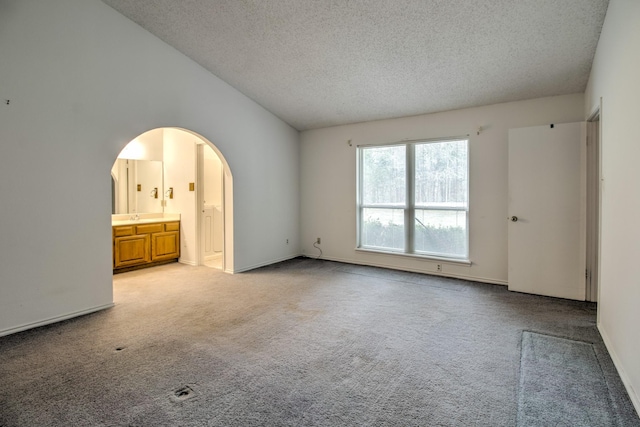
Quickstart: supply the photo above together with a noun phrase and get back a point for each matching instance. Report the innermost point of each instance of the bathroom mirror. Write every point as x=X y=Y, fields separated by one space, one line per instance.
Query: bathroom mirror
x=136 y=186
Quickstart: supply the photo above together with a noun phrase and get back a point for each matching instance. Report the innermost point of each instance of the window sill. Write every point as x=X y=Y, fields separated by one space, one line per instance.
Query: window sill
x=423 y=257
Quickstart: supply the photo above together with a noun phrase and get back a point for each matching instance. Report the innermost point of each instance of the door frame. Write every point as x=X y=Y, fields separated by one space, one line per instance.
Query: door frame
x=594 y=204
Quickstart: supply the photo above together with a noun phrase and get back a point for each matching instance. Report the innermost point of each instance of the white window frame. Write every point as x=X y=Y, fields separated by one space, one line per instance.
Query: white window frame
x=409 y=207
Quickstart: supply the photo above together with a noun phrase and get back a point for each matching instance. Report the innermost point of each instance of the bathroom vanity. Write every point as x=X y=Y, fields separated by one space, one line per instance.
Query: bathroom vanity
x=143 y=241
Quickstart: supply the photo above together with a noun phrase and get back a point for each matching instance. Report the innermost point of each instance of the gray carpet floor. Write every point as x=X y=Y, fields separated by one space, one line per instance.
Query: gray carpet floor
x=302 y=343
x=562 y=384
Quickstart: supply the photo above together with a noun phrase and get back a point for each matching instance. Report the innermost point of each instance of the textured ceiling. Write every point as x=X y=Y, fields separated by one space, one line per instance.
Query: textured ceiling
x=318 y=63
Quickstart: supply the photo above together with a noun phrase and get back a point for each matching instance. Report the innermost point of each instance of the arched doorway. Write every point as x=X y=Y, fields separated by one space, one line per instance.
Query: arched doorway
x=168 y=171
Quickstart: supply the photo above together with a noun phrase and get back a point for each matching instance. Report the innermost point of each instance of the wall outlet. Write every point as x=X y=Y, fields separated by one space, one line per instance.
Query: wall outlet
x=287 y=241
x=439 y=267
x=318 y=241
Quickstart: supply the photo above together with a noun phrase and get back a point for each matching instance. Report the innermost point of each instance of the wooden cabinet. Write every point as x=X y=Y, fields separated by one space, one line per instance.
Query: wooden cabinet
x=144 y=245
x=165 y=245
x=131 y=250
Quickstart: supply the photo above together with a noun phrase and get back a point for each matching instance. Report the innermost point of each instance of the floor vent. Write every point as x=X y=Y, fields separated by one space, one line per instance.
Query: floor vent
x=183 y=393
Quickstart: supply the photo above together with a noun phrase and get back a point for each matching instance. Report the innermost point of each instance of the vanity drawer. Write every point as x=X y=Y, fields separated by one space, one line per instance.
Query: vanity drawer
x=149 y=228
x=172 y=226
x=123 y=231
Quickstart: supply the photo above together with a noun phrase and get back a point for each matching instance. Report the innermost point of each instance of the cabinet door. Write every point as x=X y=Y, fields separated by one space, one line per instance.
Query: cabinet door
x=131 y=250
x=165 y=245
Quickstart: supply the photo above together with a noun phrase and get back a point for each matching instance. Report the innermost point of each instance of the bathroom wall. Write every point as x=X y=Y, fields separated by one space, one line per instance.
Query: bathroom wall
x=179 y=171
x=212 y=182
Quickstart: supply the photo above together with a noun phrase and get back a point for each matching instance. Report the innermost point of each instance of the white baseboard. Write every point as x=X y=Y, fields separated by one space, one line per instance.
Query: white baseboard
x=53 y=320
x=212 y=257
x=373 y=264
x=413 y=270
x=186 y=262
x=262 y=264
x=623 y=375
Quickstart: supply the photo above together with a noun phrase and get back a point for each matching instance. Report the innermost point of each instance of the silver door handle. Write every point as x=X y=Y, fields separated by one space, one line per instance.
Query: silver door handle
x=514 y=218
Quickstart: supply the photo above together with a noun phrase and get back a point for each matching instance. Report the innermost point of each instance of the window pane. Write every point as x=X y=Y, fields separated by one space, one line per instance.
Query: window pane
x=442 y=233
x=384 y=175
x=441 y=174
x=383 y=228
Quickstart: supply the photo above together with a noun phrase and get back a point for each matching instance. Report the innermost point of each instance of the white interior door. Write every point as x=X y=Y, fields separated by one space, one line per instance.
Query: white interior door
x=206 y=228
x=546 y=210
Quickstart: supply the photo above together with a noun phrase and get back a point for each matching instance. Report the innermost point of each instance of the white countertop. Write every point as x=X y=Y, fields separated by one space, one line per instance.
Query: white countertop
x=125 y=219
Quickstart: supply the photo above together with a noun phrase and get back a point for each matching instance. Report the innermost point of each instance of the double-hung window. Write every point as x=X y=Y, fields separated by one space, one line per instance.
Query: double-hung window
x=413 y=198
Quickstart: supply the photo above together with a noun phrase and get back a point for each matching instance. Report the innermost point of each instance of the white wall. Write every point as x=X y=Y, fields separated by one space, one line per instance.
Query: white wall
x=83 y=81
x=615 y=79
x=328 y=180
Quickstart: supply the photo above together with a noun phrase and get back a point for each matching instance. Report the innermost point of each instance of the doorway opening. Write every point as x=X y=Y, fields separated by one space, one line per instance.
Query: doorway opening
x=176 y=173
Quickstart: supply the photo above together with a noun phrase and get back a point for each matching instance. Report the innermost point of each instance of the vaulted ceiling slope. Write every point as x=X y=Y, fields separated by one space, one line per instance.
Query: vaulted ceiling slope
x=318 y=63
